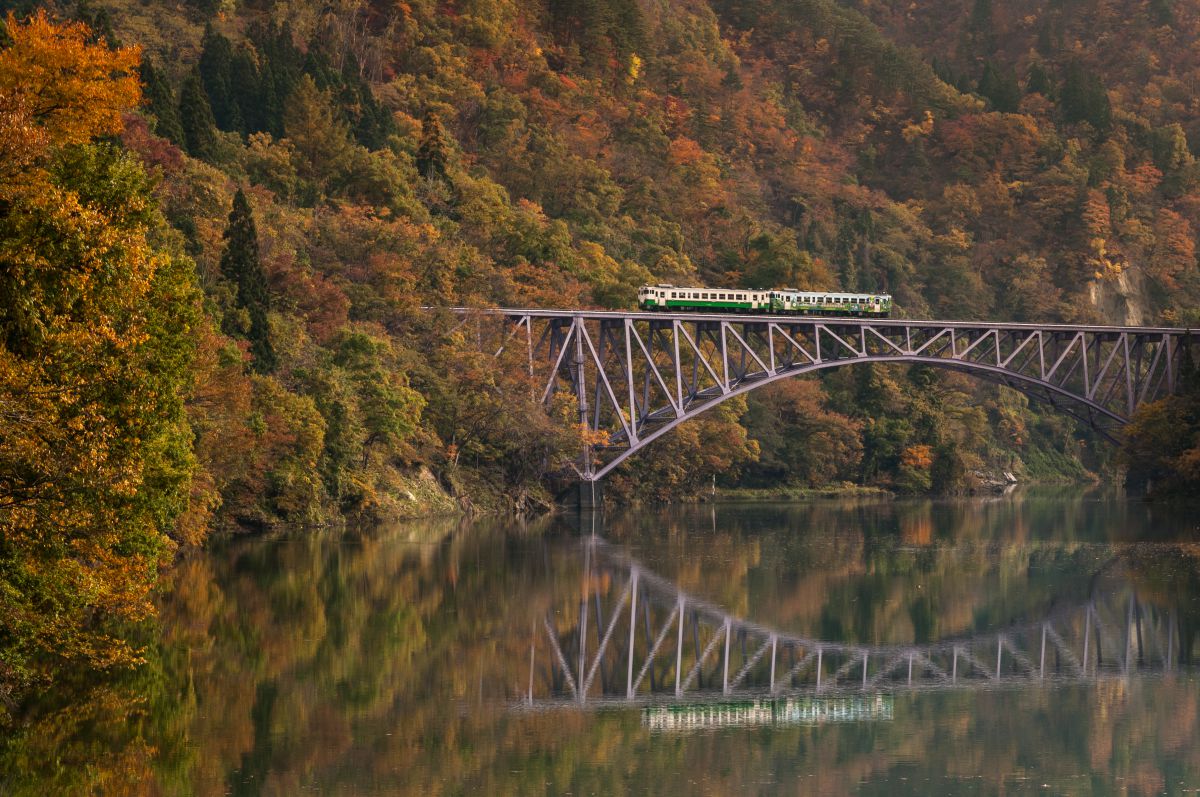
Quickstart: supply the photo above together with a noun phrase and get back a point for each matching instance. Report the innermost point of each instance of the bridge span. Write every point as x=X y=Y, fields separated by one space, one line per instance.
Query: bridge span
x=637 y=639
x=638 y=375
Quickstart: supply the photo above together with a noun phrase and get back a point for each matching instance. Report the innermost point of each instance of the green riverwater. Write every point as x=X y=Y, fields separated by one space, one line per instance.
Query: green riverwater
x=1056 y=640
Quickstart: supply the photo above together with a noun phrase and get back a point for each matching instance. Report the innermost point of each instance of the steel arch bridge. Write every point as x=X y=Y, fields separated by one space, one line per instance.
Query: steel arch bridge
x=638 y=639
x=637 y=375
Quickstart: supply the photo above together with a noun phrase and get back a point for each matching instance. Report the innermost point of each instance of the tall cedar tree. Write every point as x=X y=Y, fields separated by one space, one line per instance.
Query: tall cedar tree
x=216 y=62
x=1039 y=81
x=1000 y=87
x=160 y=101
x=246 y=91
x=240 y=264
x=1084 y=98
x=196 y=118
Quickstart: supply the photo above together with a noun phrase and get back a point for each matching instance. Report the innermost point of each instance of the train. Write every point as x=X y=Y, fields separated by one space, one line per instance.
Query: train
x=778 y=301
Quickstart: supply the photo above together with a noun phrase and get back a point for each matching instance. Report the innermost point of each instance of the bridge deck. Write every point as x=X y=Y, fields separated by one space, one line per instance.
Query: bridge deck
x=642 y=315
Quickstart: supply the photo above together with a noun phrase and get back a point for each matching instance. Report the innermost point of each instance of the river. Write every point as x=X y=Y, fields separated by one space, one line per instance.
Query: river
x=1040 y=642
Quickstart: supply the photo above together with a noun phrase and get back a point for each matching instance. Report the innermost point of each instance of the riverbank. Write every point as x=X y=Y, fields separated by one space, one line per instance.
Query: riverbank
x=791 y=493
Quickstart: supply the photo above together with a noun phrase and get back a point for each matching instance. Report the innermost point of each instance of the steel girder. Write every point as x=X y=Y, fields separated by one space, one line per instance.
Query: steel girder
x=635 y=376
x=635 y=637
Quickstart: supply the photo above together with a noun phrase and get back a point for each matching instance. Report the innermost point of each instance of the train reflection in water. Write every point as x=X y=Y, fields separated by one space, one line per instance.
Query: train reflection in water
x=784 y=711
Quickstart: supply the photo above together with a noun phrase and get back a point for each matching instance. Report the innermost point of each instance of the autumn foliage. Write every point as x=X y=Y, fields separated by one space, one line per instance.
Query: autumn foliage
x=95 y=453
x=211 y=284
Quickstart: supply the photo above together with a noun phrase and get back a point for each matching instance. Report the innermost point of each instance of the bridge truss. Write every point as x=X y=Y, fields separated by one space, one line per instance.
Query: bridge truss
x=638 y=639
x=636 y=376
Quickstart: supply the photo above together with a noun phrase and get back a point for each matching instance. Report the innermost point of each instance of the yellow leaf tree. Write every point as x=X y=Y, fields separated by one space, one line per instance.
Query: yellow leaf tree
x=95 y=453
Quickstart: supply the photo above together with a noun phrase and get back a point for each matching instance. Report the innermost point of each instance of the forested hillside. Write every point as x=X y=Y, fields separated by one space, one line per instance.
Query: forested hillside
x=221 y=324
x=393 y=155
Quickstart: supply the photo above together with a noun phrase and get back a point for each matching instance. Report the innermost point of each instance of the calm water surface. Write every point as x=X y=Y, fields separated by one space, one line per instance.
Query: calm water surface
x=1042 y=643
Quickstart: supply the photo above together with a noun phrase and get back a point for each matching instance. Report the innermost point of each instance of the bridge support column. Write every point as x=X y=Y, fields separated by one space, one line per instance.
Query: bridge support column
x=591 y=494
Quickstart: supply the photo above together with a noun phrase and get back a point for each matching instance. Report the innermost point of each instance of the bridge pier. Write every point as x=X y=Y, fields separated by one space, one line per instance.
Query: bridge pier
x=591 y=495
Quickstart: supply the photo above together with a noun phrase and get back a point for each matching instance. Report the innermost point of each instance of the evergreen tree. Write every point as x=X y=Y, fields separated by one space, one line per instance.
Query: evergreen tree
x=1161 y=12
x=160 y=100
x=1039 y=82
x=1084 y=98
x=944 y=72
x=246 y=91
x=216 y=60
x=370 y=122
x=432 y=152
x=99 y=21
x=196 y=118
x=280 y=68
x=206 y=8
x=269 y=107
x=999 y=87
x=240 y=265
x=981 y=29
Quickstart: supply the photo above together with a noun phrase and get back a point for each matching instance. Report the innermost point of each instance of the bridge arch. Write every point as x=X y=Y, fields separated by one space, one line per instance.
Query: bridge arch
x=1094 y=414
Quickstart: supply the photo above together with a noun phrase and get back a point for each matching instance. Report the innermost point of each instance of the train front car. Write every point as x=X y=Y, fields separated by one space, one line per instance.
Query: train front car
x=652 y=297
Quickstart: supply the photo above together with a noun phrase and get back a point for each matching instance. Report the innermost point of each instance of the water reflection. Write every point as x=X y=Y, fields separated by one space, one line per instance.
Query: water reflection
x=390 y=660
x=639 y=637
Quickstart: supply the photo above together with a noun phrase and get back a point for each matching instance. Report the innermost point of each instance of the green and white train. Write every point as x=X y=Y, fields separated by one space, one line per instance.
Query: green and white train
x=780 y=301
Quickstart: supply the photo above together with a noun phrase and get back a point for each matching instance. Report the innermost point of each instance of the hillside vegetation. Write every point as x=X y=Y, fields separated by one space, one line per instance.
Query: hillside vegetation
x=216 y=241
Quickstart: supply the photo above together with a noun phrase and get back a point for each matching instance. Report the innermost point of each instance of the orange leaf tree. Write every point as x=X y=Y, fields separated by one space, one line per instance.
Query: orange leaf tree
x=94 y=351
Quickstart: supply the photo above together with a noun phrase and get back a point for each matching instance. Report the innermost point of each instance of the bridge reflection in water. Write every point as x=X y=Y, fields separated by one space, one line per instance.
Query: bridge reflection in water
x=638 y=639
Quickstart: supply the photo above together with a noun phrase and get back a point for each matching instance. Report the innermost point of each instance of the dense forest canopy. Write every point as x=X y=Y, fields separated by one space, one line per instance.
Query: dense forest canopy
x=219 y=221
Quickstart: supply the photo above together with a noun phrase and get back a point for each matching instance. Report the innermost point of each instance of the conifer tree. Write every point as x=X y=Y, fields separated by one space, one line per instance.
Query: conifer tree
x=432 y=152
x=240 y=264
x=981 y=28
x=196 y=118
x=246 y=91
x=160 y=100
x=216 y=59
x=270 y=108
x=999 y=86
x=1161 y=12
x=1039 y=81
x=1084 y=98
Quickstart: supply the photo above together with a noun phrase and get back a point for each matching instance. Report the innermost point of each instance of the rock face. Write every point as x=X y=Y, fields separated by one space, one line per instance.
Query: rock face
x=1121 y=300
x=420 y=494
x=994 y=482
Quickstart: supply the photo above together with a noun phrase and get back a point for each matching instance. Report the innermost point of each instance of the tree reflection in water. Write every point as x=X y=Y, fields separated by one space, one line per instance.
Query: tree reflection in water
x=388 y=661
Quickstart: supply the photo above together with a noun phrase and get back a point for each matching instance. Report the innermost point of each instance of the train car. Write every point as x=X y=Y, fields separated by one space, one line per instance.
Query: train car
x=779 y=301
